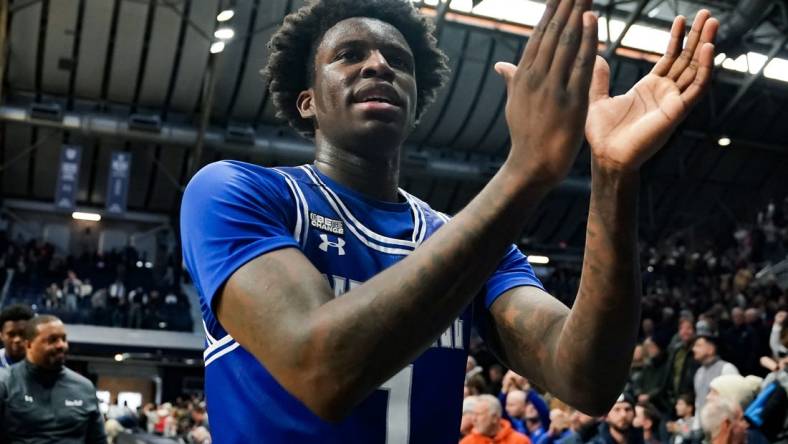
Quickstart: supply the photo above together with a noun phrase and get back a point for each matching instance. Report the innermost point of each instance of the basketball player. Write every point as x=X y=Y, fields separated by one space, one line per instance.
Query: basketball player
x=338 y=306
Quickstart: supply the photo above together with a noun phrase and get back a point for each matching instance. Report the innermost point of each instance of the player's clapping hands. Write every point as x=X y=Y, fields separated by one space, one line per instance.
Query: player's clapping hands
x=548 y=91
x=626 y=130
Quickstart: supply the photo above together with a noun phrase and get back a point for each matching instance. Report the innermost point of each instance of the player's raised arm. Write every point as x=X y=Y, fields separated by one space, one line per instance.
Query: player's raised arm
x=331 y=352
x=584 y=355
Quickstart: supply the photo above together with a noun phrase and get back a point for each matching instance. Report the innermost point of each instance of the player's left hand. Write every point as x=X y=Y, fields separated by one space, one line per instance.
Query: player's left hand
x=626 y=130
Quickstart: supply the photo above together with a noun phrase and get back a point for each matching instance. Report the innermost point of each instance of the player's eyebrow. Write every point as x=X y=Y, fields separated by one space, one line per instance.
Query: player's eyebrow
x=365 y=43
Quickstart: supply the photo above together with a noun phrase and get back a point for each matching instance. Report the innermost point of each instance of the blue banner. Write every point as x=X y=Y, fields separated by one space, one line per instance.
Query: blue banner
x=68 y=177
x=118 y=182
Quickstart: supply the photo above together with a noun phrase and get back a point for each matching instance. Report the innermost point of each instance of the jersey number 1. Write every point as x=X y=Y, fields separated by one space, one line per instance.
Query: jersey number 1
x=398 y=409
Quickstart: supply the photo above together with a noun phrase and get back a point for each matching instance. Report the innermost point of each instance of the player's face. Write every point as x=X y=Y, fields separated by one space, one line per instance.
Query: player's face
x=48 y=349
x=364 y=84
x=13 y=336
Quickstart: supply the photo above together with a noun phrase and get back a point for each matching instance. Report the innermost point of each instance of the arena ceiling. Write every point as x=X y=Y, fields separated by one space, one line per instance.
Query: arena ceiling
x=137 y=75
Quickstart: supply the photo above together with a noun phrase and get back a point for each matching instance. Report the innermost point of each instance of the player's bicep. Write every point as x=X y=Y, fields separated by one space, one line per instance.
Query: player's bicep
x=266 y=305
x=526 y=325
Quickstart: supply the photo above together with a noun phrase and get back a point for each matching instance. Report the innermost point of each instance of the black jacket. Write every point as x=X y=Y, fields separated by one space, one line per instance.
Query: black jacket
x=38 y=406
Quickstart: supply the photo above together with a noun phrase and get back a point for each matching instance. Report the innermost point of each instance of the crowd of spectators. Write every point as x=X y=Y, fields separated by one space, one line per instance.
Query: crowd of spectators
x=710 y=366
x=117 y=289
x=183 y=421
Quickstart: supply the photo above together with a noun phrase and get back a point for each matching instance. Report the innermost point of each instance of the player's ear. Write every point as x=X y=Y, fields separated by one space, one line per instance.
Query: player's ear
x=305 y=104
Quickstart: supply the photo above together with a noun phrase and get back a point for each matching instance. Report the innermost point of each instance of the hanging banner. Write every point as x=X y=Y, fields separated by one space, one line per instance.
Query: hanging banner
x=118 y=182
x=68 y=177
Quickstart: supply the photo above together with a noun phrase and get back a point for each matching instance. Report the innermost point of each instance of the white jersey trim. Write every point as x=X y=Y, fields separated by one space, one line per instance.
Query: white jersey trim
x=300 y=231
x=217 y=345
x=222 y=353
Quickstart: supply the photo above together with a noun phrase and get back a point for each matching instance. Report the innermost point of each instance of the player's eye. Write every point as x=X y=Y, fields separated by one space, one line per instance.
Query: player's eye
x=350 y=55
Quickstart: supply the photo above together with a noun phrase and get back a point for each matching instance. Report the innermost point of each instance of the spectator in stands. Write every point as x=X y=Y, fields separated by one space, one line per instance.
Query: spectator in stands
x=13 y=320
x=488 y=426
x=681 y=362
x=655 y=372
x=618 y=428
x=512 y=382
x=515 y=410
x=200 y=435
x=583 y=428
x=468 y=413
x=739 y=389
x=28 y=388
x=558 y=430
x=495 y=376
x=72 y=290
x=136 y=297
x=705 y=352
x=723 y=424
x=648 y=418
x=636 y=370
x=54 y=296
x=475 y=385
x=753 y=317
x=776 y=343
x=681 y=428
x=533 y=422
x=741 y=342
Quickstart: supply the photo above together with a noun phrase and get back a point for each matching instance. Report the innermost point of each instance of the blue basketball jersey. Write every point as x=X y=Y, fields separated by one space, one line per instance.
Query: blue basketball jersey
x=233 y=212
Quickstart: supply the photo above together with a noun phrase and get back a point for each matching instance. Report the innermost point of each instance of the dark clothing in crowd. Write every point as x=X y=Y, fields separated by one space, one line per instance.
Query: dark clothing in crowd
x=41 y=406
x=742 y=348
x=634 y=436
x=681 y=372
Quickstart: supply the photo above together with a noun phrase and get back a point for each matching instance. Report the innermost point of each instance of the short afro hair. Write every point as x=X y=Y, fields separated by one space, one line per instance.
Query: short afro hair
x=302 y=31
x=15 y=313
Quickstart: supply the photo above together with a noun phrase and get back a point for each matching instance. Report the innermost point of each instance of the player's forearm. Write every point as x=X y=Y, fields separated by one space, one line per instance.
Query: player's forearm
x=364 y=337
x=595 y=345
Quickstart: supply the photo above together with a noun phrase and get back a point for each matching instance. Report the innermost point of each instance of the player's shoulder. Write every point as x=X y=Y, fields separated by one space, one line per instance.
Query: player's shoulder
x=232 y=172
x=230 y=180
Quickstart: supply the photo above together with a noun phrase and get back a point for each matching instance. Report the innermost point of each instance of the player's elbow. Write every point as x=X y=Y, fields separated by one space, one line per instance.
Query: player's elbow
x=326 y=394
x=595 y=396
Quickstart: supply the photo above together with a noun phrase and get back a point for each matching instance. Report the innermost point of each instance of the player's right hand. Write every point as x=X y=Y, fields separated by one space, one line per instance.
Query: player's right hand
x=547 y=92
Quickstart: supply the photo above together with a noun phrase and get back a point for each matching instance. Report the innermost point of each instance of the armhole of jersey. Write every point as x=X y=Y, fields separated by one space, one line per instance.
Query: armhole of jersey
x=300 y=229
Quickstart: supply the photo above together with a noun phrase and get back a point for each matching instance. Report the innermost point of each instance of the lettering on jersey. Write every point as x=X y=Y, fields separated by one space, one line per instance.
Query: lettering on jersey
x=28 y=398
x=451 y=338
x=327 y=243
x=341 y=285
x=74 y=403
x=326 y=224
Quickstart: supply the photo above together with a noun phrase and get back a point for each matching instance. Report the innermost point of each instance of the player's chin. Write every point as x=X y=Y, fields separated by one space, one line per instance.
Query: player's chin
x=382 y=130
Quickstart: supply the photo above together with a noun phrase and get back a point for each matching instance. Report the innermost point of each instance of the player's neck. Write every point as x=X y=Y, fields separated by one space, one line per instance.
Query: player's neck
x=374 y=176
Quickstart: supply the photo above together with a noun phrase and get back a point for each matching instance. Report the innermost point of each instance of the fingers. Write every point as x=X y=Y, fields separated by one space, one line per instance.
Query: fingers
x=552 y=35
x=674 y=47
x=703 y=76
x=506 y=70
x=570 y=41
x=707 y=36
x=587 y=59
x=532 y=48
x=600 y=81
x=689 y=49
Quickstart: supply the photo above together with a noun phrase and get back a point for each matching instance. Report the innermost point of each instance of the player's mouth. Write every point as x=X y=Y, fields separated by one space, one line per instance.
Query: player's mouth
x=379 y=96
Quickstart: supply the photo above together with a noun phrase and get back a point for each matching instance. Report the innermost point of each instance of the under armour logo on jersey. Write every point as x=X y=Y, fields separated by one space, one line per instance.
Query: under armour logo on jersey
x=339 y=244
